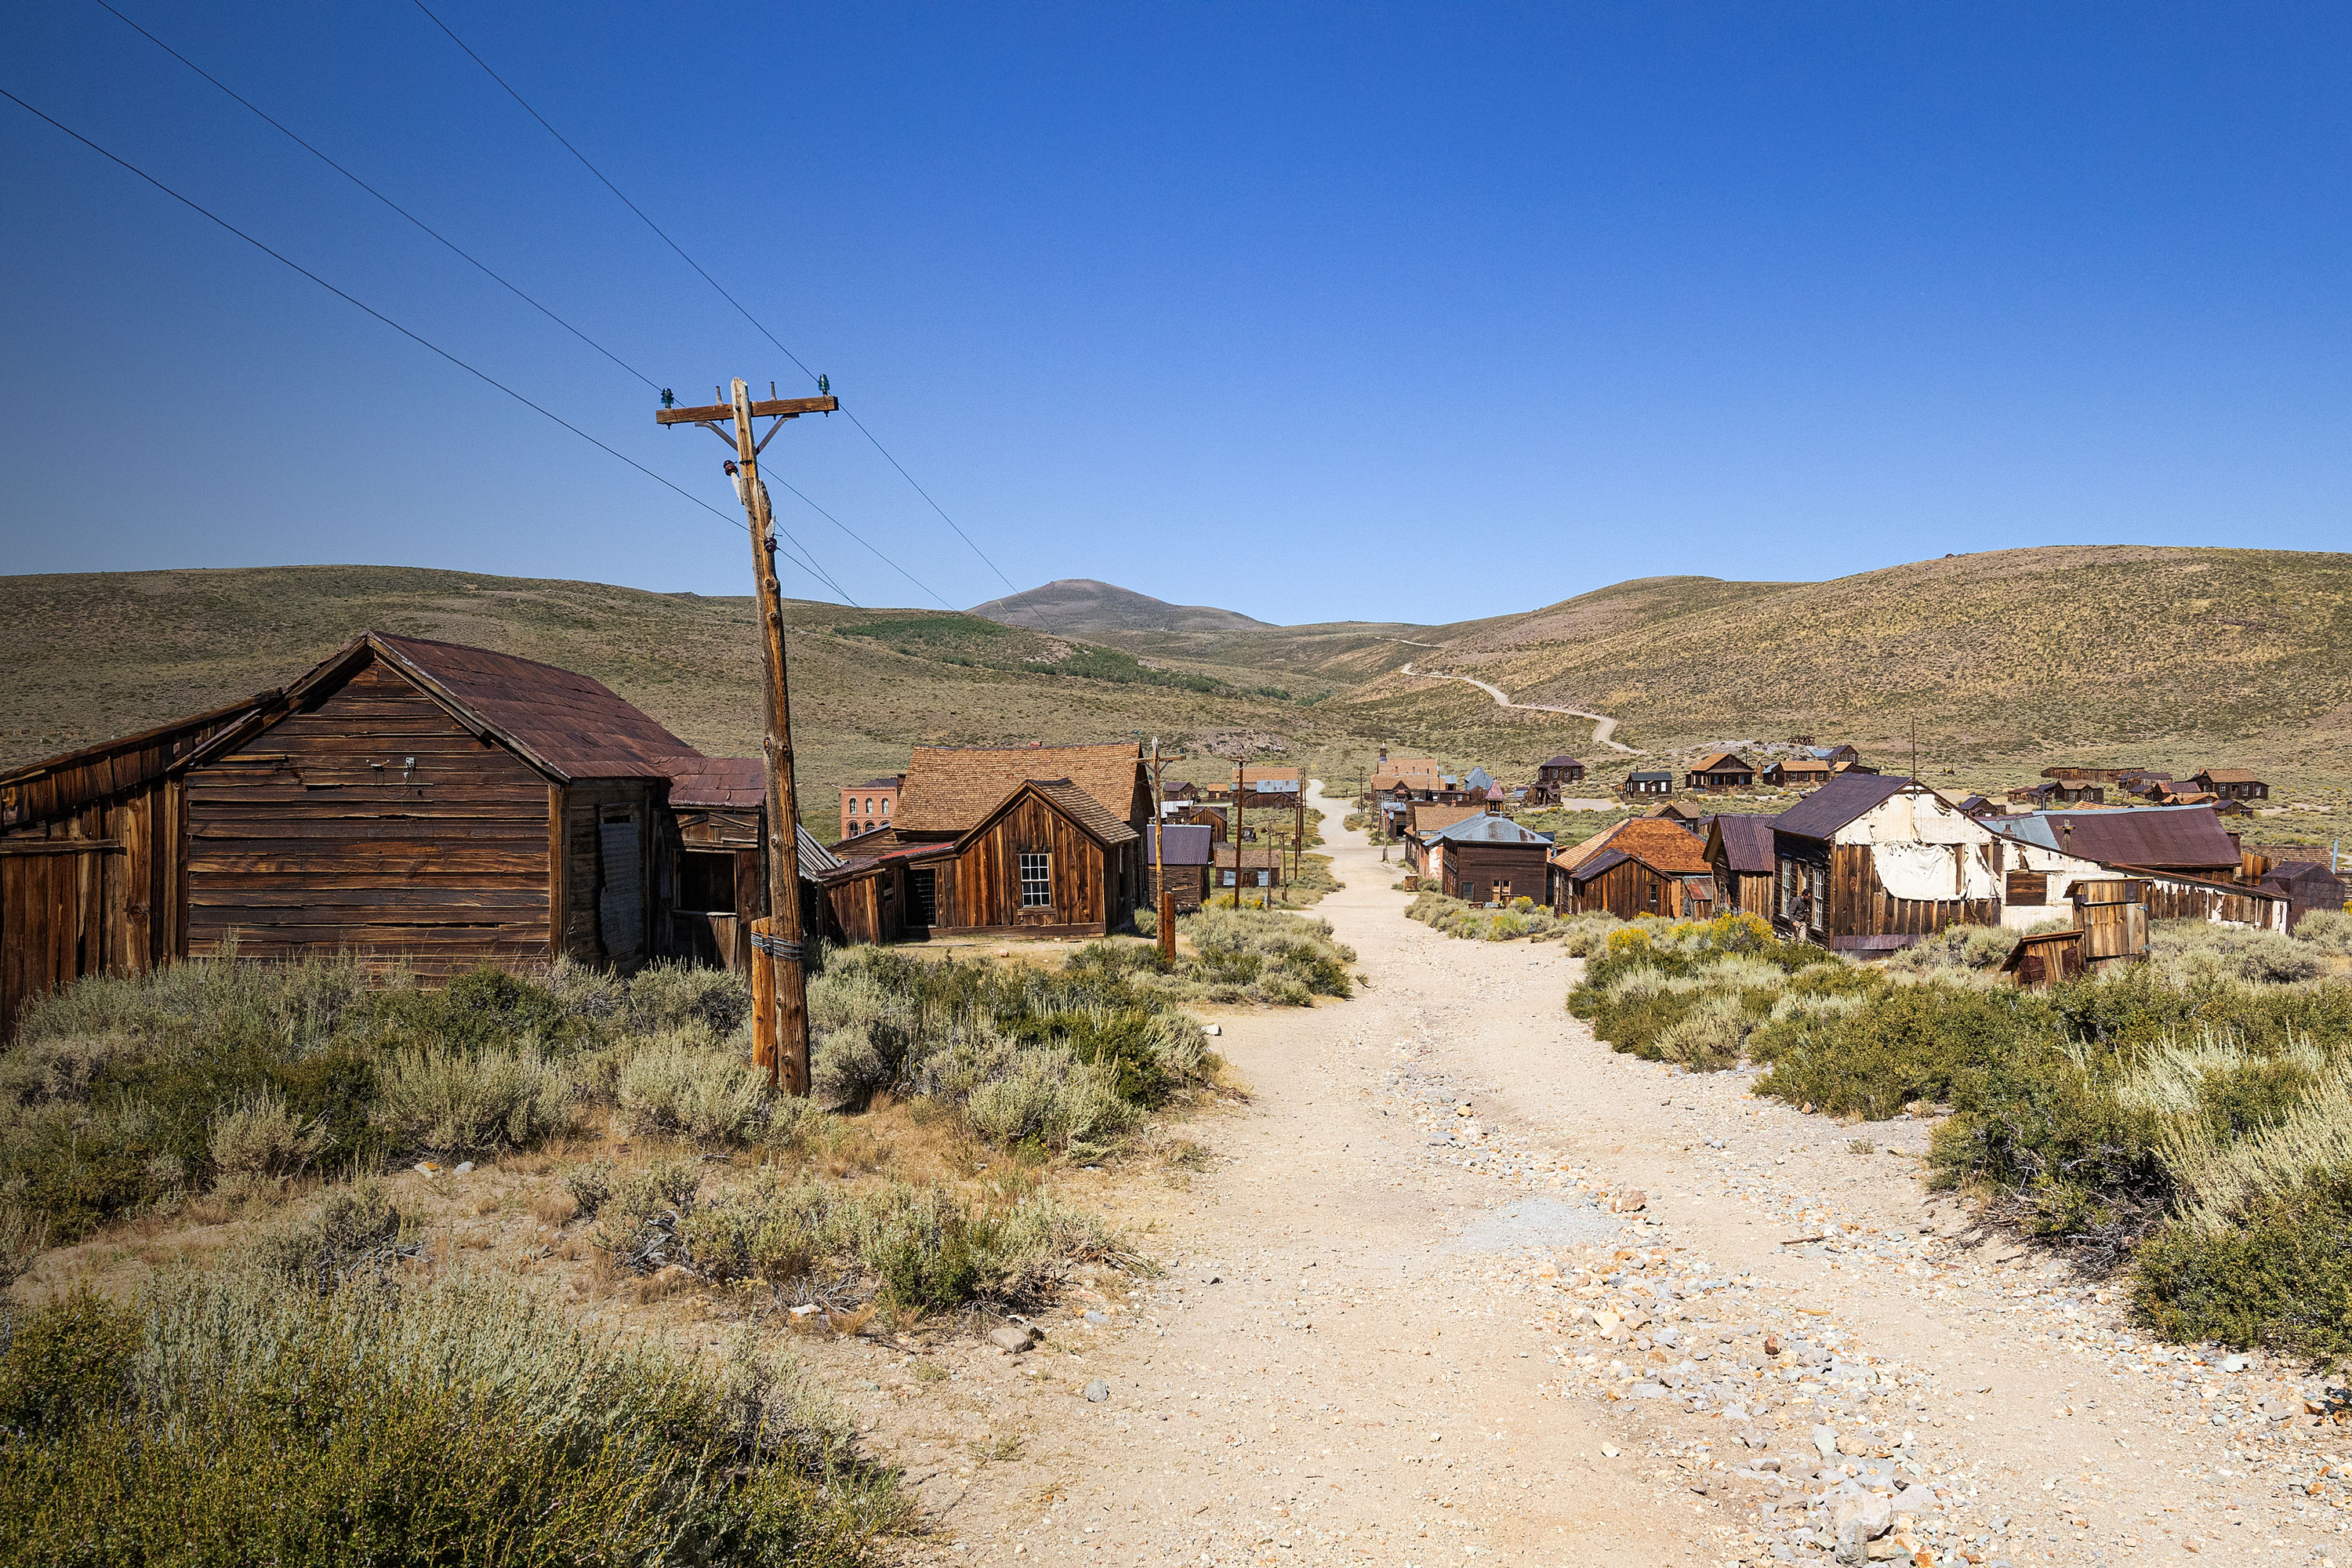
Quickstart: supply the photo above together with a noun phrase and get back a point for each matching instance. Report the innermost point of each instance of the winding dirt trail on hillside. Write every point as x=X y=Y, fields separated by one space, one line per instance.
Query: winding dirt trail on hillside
x=1603 y=726
x=1366 y=1347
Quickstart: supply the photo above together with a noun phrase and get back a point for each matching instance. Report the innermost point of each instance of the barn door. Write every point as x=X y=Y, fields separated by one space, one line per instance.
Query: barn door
x=620 y=884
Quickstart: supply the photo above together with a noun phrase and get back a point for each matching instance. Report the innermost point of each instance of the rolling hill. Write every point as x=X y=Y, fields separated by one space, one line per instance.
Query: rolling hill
x=2122 y=654
x=2003 y=661
x=1077 y=605
x=94 y=655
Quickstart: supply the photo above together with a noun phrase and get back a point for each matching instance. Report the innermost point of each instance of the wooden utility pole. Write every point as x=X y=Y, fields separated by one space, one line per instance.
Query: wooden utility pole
x=788 y=1062
x=1237 y=833
x=1165 y=904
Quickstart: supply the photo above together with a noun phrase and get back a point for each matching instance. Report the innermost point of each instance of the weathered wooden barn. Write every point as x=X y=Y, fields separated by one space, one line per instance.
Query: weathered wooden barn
x=92 y=869
x=1739 y=857
x=1184 y=855
x=1721 y=772
x=2231 y=784
x=1866 y=856
x=1643 y=866
x=1486 y=859
x=411 y=801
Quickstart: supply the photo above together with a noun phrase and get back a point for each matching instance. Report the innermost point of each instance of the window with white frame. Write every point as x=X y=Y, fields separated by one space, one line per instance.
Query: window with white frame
x=1036 y=880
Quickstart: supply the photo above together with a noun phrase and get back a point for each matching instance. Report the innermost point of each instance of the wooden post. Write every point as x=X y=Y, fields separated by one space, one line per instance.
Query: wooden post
x=1167 y=896
x=788 y=1065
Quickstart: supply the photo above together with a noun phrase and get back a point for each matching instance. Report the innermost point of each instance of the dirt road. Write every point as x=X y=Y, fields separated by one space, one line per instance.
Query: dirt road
x=1603 y=726
x=1377 y=1340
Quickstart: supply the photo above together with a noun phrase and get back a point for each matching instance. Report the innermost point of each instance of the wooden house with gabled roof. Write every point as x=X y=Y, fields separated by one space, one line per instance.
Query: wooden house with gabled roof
x=1001 y=841
x=1643 y=866
x=1721 y=772
x=411 y=801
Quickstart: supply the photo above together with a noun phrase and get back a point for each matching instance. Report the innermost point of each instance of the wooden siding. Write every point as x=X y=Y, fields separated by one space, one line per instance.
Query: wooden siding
x=1629 y=890
x=321 y=836
x=1852 y=901
x=1471 y=870
x=94 y=893
x=984 y=894
x=1742 y=892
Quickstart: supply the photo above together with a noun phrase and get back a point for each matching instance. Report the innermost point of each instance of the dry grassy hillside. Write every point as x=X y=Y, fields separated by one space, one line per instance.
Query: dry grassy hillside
x=2135 y=654
x=94 y=655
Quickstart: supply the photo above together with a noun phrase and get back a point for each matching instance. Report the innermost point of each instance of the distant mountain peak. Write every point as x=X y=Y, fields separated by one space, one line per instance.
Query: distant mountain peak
x=1080 y=605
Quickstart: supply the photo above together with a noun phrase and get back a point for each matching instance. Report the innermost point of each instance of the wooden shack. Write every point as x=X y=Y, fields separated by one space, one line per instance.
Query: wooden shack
x=414 y=802
x=2111 y=913
x=1048 y=860
x=2231 y=784
x=91 y=872
x=1871 y=856
x=1799 y=773
x=1560 y=770
x=2306 y=885
x=1719 y=772
x=1487 y=860
x=1639 y=867
x=1646 y=784
x=1246 y=867
x=2044 y=958
x=1739 y=857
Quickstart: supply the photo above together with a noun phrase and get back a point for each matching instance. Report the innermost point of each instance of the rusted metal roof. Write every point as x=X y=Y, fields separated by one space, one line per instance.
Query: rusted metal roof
x=1746 y=841
x=2161 y=837
x=1561 y=760
x=1837 y=803
x=1487 y=828
x=569 y=724
x=726 y=784
x=951 y=788
x=1186 y=843
x=2230 y=775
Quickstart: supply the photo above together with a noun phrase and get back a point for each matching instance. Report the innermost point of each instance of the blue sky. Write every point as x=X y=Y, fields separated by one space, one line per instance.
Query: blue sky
x=1351 y=312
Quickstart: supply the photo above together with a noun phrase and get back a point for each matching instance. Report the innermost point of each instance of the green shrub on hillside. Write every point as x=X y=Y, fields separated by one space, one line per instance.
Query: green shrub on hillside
x=231 y=1418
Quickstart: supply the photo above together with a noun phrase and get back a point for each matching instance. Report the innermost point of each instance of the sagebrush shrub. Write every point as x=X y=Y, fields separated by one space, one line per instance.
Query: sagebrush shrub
x=452 y=1102
x=677 y=1086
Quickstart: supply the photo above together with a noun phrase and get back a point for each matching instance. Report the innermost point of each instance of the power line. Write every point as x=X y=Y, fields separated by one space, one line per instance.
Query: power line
x=861 y=539
x=476 y=261
x=802 y=560
x=715 y=284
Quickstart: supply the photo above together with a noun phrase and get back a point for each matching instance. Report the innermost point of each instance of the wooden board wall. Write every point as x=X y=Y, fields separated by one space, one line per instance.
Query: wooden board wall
x=320 y=833
x=1860 y=905
x=987 y=882
x=585 y=806
x=1471 y=869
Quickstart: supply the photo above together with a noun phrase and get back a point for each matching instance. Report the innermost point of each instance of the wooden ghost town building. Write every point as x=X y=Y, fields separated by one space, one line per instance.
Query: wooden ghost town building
x=442 y=806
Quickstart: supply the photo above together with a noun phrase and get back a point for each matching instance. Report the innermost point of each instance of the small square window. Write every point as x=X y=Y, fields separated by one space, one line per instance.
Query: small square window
x=1036 y=880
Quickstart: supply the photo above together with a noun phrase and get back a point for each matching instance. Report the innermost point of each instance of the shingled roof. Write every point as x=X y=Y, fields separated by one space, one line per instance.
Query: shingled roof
x=950 y=789
x=726 y=783
x=1657 y=844
x=2161 y=837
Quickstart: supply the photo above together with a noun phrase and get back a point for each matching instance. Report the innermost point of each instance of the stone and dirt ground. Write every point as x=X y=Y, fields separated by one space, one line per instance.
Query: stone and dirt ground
x=1410 y=1316
x=1452 y=1281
